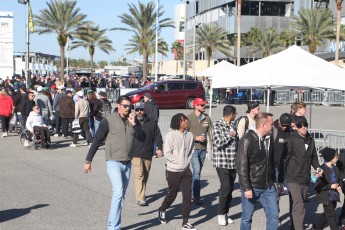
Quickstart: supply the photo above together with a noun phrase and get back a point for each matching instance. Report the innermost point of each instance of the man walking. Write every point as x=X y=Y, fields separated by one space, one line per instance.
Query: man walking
x=224 y=155
x=247 y=122
x=141 y=152
x=56 y=108
x=255 y=168
x=178 y=149
x=67 y=107
x=151 y=107
x=45 y=105
x=118 y=131
x=200 y=126
x=301 y=155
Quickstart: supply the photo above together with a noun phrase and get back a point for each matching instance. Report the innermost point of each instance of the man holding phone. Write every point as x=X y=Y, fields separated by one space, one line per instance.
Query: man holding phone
x=118 y=130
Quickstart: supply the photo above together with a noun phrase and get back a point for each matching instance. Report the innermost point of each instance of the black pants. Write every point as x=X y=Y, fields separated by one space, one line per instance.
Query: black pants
x=329 y=216
x=44 y=133
x=174 y=180
x=5 y=123
x=58 y=122
x=227 y=179
x=65 y=122
x=84 y=124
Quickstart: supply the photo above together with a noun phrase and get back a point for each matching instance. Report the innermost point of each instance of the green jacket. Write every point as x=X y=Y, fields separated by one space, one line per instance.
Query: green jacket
x=200 y=127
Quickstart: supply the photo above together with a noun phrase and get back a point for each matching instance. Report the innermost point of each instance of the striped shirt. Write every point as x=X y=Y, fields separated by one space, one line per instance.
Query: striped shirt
x=224 y=146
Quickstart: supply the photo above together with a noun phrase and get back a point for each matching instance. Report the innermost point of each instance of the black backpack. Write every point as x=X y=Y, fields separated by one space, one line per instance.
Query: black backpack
x=237 y=121
x=106 y=108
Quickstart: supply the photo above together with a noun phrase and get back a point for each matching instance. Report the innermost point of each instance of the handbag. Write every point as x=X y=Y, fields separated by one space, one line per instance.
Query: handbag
x=76 y=126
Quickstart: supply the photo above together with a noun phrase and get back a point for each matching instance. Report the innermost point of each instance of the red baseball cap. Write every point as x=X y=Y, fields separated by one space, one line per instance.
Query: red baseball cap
x=198 y=101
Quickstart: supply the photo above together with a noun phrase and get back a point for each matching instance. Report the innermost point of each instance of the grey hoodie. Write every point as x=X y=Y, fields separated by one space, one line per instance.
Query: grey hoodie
x=178 y=150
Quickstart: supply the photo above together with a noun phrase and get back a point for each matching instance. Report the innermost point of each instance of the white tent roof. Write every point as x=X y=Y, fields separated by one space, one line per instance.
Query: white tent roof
x=220 y=67
x=293 y=67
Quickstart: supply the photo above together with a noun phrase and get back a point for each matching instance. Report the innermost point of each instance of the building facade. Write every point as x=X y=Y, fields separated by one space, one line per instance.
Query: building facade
x=6 y=44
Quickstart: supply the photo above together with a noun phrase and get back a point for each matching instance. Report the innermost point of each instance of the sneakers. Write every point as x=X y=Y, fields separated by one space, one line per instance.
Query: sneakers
x=85 y=144
x=222 y=220
x=230 y=221
x=56 y=135
x=197 y=202
x=188 y=226
x=142 y=203
x=161 y=217
x=26 y=143
x=4 y=134
x=73 y=145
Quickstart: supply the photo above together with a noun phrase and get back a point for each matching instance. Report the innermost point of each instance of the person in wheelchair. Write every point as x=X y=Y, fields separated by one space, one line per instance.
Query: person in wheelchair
x=35 y=123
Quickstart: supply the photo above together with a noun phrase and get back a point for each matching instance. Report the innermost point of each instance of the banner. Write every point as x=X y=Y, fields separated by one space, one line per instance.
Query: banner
x=31 y=19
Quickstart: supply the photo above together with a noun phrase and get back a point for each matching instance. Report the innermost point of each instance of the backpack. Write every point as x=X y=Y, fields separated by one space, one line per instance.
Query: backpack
x=237 y=121
x=106 y=108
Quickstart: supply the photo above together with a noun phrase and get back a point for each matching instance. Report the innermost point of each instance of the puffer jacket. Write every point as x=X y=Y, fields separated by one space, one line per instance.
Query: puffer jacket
x=6 y=105
x=34 y=119
x=255 y=165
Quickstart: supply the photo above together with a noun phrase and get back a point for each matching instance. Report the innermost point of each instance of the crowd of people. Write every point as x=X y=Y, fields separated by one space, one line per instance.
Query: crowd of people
x=268 y=156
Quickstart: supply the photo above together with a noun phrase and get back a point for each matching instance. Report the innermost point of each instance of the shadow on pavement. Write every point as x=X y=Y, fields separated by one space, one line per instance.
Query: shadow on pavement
x=11 y=214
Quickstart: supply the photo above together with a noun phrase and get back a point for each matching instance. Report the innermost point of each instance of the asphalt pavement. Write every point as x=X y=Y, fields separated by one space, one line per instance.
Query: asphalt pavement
x=47 y=189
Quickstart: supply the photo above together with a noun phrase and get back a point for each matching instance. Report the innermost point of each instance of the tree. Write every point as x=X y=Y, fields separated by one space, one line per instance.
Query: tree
x=239 y=11
x=287 y=38
x=268 y=41
x=338 y=2
x=141 y=21
x=90 y=37
x=212 y=38
x=313 y=26
x=101 y=64
x=62 y=18
x=177 y=49
x=252 y=39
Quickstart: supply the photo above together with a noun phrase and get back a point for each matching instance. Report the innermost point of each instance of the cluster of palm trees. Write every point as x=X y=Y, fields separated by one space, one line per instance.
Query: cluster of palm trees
x=63 y=18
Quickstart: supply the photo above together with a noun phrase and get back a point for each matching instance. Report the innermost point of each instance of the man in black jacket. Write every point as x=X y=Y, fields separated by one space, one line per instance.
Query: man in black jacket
x=151 y=107
x=26 y=107
x=141 y=152
x=301 y=155
x=255 y=168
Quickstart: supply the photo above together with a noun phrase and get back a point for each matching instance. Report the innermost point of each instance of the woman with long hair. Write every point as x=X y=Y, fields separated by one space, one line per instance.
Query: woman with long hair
x=6 y=111
x=91 y=98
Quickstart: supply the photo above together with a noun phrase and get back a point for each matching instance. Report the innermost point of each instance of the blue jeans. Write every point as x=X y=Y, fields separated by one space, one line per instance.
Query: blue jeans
x=268 y=199
x=119 y=176
x=197 y=163
x=96 y=126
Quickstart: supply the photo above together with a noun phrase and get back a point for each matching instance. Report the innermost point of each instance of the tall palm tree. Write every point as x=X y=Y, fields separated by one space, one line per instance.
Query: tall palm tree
x=177 y=49
x=62 y=18
x=338 y=2
x=252 y=40
x=91 y=37
x=212 y=38
x=268 y=41
x=287 y=37
x=141 y=21
x=313 y=26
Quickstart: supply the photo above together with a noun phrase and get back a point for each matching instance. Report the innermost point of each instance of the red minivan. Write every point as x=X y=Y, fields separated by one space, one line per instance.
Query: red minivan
x=171 y=93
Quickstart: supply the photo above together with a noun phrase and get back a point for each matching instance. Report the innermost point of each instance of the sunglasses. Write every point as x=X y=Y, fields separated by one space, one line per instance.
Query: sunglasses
x=126 y=106
x=300 y=125
x=202 y=105
x=137 y=110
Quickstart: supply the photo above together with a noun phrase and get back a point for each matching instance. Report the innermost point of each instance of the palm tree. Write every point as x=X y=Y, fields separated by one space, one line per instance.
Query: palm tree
x=287 y=38
x=338 y=2
x=268 y=41
x=142 y=22
x=177 y=49
x=91 y=36
x=313 y=26
x=62 y=18
x=212 y=38
x=252 y=40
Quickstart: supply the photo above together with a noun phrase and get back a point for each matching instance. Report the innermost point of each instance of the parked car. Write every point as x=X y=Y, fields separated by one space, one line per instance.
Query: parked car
x=171 y=93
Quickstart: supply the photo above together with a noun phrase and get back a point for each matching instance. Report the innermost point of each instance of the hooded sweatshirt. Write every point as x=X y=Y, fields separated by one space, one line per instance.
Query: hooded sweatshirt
x=34 y=119
x=178 y=150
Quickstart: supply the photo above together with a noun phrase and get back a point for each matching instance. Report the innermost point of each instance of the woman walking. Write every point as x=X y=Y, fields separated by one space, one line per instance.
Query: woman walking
x=6 y=111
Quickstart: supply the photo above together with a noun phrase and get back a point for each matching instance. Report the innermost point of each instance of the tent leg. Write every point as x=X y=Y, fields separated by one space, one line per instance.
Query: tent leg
x=310 y=105
x=268 y=99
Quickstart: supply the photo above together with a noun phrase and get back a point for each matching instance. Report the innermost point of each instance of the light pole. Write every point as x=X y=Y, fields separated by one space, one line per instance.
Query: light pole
x=185 y=40
x=194 y=29
x=27 y=74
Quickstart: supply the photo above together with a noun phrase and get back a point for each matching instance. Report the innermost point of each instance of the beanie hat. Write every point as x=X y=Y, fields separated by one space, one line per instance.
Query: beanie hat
x=252 y=105
x=148 y=95
x=285 y=119
x=328 y=154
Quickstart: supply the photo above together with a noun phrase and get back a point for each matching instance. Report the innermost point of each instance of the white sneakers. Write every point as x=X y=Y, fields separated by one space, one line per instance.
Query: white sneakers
x=5 y=134
x=73 y=145
x=26 y=143
x=223 y=220
x=56 y=135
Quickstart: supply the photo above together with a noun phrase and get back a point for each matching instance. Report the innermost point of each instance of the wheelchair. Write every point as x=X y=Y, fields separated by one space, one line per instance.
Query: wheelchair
x=32 y=140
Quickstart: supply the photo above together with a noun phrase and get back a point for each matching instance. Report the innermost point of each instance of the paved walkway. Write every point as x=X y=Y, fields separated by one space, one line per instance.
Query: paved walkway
x=47 y=189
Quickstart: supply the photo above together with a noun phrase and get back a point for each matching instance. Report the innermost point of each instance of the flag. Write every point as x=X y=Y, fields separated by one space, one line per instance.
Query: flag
x=31 y=19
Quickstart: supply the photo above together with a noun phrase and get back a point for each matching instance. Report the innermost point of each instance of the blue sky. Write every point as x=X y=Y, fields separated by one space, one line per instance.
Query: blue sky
x=103 y=12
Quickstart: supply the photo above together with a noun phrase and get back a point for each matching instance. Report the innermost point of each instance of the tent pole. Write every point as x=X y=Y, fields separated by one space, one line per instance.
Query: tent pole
x=310 y=105
x=268 y=99
x=210 y=104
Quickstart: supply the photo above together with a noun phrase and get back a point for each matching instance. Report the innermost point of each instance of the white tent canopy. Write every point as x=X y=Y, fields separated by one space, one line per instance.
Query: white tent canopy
x=220 y=67
x=293 y=67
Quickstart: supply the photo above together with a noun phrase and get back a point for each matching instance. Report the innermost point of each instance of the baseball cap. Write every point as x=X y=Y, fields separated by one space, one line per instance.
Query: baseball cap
x=252 y=105
x=80 y=93
x=148 y=95
x=139 y=105
x=102 y=93
x=285 y=119
x=300 y=120
x=198 y=101
x=39 y=88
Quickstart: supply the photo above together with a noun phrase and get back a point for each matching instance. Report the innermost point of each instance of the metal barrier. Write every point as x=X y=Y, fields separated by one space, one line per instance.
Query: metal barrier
x=318 y=97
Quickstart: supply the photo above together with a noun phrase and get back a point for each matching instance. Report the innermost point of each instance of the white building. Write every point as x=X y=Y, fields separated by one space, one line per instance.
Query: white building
x=6 y=44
